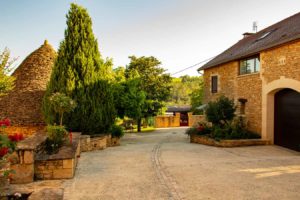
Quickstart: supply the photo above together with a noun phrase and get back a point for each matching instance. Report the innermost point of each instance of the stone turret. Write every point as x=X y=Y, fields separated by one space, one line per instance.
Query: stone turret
x=23 y=104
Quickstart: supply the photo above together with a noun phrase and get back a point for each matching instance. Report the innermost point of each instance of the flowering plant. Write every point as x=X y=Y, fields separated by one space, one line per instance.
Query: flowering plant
x=7 y=146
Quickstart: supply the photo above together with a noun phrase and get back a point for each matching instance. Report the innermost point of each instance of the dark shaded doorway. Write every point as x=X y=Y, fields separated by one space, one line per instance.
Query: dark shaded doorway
x=184 y=119
x=287 y=119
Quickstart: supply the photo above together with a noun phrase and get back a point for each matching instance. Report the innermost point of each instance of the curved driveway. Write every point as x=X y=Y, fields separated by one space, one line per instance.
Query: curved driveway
x=164 y=165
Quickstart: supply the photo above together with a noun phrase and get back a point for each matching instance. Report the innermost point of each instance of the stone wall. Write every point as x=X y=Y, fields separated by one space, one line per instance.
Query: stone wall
x=227 y=143
x=54 y=169
x=23 y=104
x=281 y=61
x=100 y=142
x=61 y=165
x=195 y=119
x=167 y=121
x=22 y=160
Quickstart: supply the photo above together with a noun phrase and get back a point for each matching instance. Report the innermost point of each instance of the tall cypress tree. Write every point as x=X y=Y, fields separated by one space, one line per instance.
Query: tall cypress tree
x=77 y=71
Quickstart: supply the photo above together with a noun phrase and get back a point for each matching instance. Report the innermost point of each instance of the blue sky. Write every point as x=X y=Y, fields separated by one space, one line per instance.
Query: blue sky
x=180 y=33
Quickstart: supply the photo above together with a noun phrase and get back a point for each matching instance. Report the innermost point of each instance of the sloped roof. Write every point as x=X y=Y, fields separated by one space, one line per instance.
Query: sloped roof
x=179 y=108
x=280 y=33
x=23 y=104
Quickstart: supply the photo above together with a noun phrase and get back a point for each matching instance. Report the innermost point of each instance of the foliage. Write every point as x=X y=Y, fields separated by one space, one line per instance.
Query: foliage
x=185 y=90
x=197 y=97
x=100 y=113
x=117 y=131
x=7 y=145
x=61 y=104
x=200 y=129
x=56 y=137
x=154 y=84
x=77 y=72
x=129 y=99
x=6 y=81
x=221 y=111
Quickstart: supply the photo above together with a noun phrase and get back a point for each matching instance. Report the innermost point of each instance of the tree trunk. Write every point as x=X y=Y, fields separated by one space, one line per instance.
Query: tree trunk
x=139 y=125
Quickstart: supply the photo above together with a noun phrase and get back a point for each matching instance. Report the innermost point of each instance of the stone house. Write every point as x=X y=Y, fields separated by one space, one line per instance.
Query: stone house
x=23 y=104
x=261 y=72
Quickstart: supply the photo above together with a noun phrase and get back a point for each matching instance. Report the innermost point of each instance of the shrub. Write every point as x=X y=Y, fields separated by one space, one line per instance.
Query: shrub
x=200 y=129
x=56 y=138
x=117 y=131
x=221 y=111
x=61 y=104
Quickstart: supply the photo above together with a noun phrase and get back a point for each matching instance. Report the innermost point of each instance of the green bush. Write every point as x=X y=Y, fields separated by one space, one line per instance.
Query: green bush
x=200 y=129
x=117 y=131
x=56 y=138
x=221 y=111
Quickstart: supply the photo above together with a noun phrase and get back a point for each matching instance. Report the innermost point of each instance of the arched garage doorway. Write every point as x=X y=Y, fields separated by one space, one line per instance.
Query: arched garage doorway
x=287 y=119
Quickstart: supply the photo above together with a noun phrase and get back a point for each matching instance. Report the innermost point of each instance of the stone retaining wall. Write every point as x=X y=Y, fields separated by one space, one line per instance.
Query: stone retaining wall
x=61 y=165
x=100 y=142
x=227 y=143
x=23 y=159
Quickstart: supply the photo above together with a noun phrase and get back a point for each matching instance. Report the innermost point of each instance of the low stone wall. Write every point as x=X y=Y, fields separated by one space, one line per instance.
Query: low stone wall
x=167 y=121
x=97 y=142
x=227 y=143
x=61 y=165
x=22 y=160
x=195 y=119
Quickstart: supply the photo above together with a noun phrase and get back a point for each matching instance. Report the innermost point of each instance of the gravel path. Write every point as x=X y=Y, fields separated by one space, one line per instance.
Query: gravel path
x=164 y=165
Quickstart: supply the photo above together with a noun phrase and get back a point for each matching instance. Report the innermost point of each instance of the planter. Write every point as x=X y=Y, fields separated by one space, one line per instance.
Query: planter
x=227 y=143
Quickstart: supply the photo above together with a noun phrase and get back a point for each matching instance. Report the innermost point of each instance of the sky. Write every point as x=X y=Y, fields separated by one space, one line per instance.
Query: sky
x=180 y=33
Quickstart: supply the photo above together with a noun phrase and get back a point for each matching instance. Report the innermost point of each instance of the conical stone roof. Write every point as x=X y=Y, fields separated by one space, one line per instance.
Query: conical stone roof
x=23 y=104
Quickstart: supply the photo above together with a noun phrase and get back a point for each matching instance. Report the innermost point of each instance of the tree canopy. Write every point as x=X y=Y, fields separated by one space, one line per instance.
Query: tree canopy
x=77 y=72
x=6 y=81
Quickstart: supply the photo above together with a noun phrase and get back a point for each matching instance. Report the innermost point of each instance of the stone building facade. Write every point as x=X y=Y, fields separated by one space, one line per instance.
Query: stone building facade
x=23 y=104
x=256 y=90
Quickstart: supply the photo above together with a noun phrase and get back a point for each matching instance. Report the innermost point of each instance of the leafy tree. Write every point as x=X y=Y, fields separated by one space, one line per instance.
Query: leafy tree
x=6 y=81
x=185 y=89
x=129 y=99
x=61 y=104
x=154 y=82
x=76 y=73
x=197 y=97
x=221 y=111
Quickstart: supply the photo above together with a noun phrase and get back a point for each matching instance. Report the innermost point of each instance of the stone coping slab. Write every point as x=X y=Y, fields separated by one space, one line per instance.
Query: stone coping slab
x=65 y=152
x=227 y=143
x=32 y=142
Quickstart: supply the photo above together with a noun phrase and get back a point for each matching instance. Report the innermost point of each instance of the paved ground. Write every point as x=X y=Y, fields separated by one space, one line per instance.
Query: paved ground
x=164 y=165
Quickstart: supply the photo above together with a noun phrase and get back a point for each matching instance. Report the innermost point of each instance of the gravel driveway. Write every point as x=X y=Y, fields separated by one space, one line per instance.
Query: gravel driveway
x=164 y=165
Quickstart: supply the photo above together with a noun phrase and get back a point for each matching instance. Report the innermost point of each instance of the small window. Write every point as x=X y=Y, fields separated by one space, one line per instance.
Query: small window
x=214 y=84
x=249 y=65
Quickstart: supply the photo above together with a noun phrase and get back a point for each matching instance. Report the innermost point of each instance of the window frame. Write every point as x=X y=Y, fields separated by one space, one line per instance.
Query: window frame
x=216 y=79
x=256 y=65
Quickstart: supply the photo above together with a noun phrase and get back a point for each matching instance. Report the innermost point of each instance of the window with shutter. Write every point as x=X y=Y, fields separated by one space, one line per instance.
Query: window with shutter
x=214 y=84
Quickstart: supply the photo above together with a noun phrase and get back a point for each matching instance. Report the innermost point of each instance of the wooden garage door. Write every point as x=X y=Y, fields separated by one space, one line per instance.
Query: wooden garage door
x=287 y=119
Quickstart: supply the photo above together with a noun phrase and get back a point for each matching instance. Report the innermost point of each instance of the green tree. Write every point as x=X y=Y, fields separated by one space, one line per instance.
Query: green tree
x=61 y=104
x=185 y=90
x=6 y=81
x=154 y=82
x=221 y=111
x=76 y=73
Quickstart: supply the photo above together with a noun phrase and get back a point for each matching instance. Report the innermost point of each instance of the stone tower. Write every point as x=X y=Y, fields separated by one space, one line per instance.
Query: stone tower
x=23 y=104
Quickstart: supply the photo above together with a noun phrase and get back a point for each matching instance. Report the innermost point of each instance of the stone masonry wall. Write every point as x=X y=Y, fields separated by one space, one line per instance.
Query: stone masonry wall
x=227 y=75
x=167 y=121
x=276 y=62
x=281 y=61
